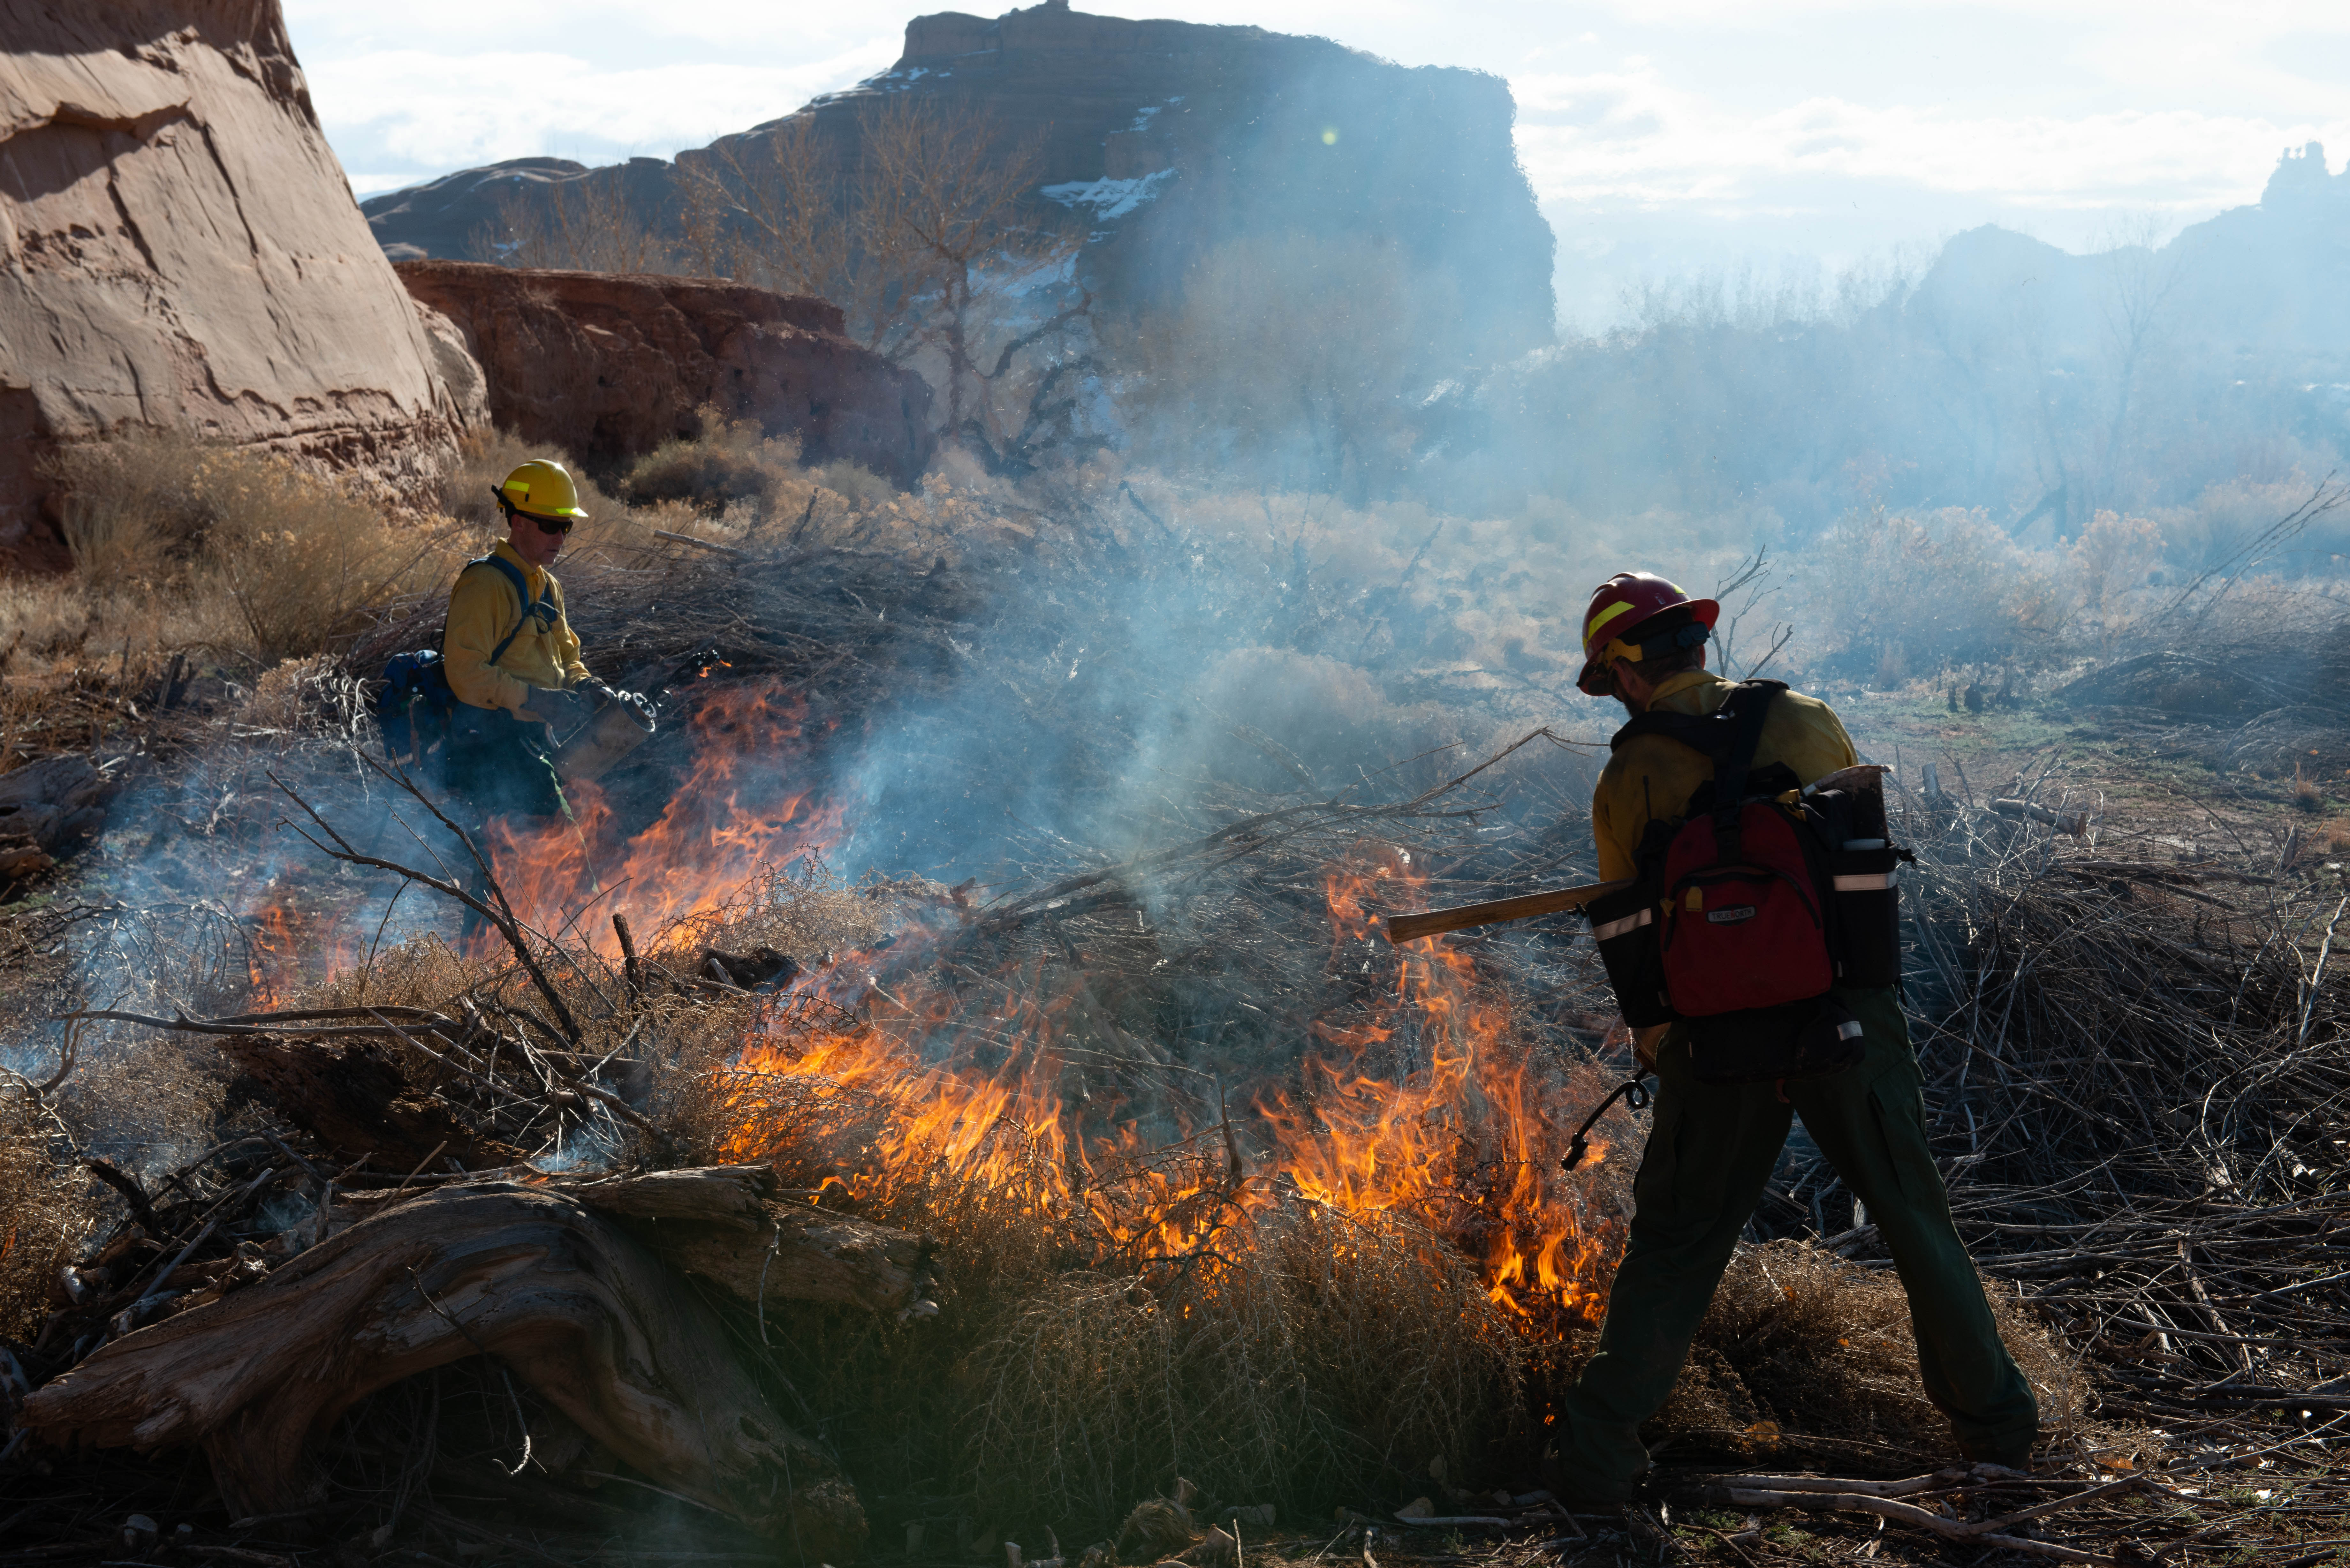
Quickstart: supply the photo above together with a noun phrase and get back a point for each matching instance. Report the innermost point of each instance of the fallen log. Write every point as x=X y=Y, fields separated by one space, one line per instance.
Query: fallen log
x=561 y=1295
x=54 y=800
x=731 y=1224
x=725 y=1224
x=2075 y=822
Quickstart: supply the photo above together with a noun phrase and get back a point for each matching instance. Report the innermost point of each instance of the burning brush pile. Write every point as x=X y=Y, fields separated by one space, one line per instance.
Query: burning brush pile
x=1011 y=1222
x=690 y=1197
x=967 y=1220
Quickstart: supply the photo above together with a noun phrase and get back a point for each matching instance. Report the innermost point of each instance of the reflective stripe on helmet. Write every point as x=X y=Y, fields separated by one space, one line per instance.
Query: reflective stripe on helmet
x=1591 y=628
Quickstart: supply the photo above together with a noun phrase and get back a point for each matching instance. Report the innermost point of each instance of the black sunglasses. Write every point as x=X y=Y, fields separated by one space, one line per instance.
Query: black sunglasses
x=543 y=524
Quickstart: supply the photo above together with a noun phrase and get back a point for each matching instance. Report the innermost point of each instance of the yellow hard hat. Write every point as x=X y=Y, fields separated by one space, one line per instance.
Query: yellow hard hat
x=542 y=489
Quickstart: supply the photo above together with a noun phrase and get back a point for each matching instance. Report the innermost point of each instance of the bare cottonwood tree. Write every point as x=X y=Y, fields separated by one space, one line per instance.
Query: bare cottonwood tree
x=957 y=195
x=777 y=210
x=586 y=222
x=924 y=232
x=2139 y=279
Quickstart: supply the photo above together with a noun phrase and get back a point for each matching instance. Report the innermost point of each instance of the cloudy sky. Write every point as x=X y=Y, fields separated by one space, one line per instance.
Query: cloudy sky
x=1665 y=137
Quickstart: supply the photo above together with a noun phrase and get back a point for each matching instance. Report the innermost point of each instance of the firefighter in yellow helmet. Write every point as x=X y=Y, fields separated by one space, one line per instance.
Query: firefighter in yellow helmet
x=512 y=656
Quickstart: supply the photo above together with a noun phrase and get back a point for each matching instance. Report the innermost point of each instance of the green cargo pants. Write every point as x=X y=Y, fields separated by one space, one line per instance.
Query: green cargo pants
x=499 y=765
x=1711 y=1152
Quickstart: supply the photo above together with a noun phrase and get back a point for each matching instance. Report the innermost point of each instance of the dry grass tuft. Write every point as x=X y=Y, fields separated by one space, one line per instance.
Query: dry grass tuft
x=1818 y=1346
x=49 y=1207
x=1316 y=1351
x=734 y=472
x=181 y=543
x=301 y=559
x=798 y=910
x=131 y=511
x=149 y=1105
x=423 y=972
x=2308 y=794
x=730 y=463
x=1157 y=1528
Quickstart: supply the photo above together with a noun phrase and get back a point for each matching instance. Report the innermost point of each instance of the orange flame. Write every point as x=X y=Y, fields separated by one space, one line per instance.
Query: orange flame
x=731 y=815
x=1468 y=1141
x=1418 y=1094
x=288 y=946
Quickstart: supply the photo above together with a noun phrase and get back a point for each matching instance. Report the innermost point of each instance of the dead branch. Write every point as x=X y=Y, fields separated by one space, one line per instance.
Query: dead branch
x=1884 y=1500
x=501 y=915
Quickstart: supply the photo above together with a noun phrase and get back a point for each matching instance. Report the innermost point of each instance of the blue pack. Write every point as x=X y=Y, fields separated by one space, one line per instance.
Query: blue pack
x=414 y=708
x=417 y=703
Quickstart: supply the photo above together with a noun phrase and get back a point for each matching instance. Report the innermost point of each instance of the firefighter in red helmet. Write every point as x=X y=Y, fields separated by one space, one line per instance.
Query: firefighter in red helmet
x=1624 y=606
x=1713 y=1144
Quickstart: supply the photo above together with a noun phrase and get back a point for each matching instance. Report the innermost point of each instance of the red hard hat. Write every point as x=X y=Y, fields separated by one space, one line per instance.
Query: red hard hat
x=1620 y=606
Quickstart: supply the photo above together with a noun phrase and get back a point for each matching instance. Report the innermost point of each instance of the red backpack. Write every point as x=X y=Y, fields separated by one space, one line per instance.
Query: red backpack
x=1751 y=907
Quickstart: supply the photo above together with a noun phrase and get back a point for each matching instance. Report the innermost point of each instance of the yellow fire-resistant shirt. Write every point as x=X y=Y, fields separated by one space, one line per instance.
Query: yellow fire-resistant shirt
x=1650 y=775
x=484 y=607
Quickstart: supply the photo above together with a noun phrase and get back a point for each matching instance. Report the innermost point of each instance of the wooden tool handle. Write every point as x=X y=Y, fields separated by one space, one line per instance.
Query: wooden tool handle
x=1409 y=928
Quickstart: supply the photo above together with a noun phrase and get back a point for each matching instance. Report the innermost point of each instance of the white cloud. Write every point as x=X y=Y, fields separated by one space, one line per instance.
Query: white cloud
x=1631 y=136
x=611 y=29
x=408 y=107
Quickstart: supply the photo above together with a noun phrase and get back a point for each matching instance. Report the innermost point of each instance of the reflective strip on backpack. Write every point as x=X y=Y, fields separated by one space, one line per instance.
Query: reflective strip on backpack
x=1611 y=930
x=1867 y=882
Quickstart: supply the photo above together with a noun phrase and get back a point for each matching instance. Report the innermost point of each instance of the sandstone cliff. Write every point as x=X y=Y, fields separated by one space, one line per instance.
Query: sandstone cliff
x=178 y=248
x=1169 y=139
x=607 y=365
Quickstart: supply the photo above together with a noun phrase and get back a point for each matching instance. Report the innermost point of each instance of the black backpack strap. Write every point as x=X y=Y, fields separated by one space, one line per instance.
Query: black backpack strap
x=1728 y=735
x=1715 y=733
x=1747 y=708
x=530 y=606
x=1705 y=733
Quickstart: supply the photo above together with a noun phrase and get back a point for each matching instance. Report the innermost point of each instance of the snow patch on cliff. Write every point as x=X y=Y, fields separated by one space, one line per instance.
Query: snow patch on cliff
x=1108 y=199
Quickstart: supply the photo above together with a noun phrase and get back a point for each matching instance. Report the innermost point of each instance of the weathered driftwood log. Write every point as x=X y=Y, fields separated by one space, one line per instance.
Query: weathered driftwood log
x=561 y=1294
x=724 y=1224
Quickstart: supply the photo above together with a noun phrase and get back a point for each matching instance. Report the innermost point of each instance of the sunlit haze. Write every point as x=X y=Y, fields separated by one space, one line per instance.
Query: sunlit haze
x=1661 y=137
